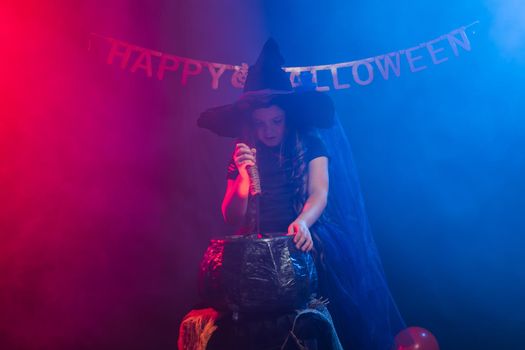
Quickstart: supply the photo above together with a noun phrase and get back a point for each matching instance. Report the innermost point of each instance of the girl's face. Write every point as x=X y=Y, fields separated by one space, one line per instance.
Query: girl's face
x=269 y=125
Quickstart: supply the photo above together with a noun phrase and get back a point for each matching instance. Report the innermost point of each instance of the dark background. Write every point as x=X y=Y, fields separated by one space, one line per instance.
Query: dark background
x=109 y=193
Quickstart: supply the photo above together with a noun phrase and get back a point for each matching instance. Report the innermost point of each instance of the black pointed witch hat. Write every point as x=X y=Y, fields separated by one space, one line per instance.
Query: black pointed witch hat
x=268 y=84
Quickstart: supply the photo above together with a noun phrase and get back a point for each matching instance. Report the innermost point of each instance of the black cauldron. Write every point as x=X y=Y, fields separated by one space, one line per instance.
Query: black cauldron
x=251 y=274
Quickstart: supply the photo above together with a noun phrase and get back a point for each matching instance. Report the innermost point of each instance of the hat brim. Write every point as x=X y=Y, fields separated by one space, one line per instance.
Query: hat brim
x=304 y=110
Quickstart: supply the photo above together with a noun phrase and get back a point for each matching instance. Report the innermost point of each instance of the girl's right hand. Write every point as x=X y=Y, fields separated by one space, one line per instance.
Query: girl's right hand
x=243 y=156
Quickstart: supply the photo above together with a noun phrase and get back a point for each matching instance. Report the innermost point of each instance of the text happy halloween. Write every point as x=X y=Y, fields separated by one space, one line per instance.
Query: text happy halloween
x=362 y=72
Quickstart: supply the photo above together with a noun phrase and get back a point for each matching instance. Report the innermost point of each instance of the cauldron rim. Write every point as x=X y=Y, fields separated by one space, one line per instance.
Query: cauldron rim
x=253 y=237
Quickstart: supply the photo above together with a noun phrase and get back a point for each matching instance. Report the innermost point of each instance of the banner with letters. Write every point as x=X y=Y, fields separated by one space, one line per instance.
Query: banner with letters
x=343 y=75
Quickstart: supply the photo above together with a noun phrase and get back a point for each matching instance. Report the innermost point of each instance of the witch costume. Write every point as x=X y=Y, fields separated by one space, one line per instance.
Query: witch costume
x=349 y=272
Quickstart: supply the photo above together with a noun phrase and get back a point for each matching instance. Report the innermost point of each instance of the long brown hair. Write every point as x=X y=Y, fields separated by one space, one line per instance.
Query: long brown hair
x=292 y=150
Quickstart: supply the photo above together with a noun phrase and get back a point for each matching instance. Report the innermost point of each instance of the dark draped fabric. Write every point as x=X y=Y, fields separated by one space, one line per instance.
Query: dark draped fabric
x=350 y=270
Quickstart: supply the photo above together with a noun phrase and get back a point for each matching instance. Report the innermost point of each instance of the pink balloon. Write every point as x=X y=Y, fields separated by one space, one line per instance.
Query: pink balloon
x=415 y=338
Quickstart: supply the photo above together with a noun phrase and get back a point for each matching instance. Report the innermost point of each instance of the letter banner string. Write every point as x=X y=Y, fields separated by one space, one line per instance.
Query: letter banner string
x=335 y=76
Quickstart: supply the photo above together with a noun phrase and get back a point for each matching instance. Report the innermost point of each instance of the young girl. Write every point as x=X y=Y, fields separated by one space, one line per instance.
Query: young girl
x=288 y=162
x=310 y=190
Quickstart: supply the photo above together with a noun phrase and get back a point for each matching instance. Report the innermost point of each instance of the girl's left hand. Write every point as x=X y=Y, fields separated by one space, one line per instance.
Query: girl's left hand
x=303 y=238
